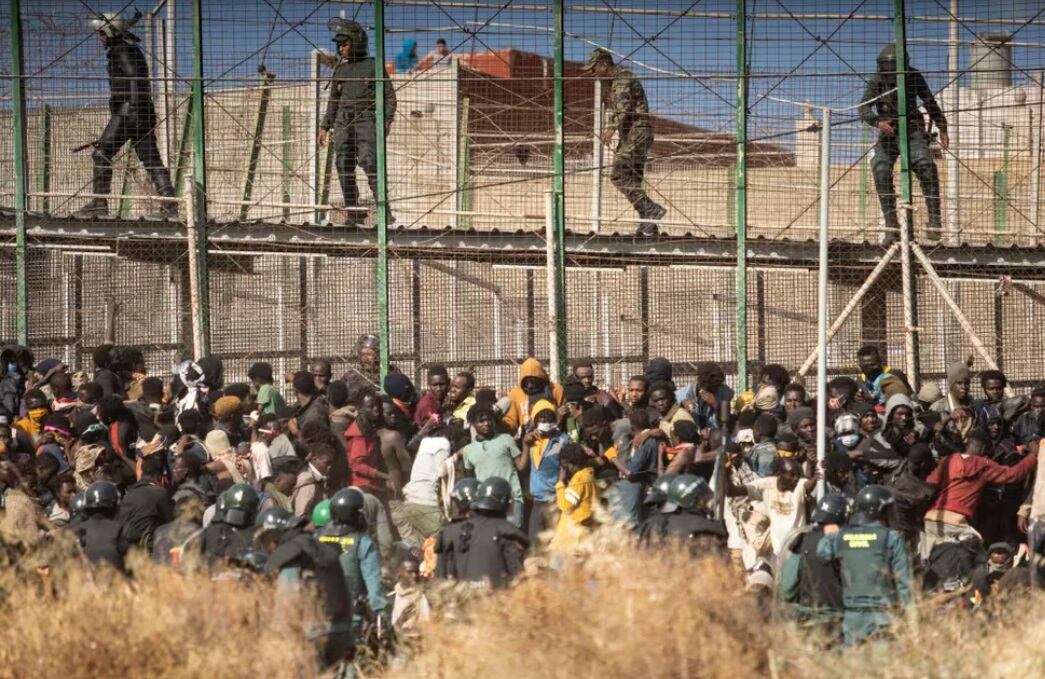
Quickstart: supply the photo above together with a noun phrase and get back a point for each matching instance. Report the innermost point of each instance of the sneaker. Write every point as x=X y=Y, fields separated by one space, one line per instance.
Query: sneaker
x=167 y=213
x=97 y=207
x=647 y=229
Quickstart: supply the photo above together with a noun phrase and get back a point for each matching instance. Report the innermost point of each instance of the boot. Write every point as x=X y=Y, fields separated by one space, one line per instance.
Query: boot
x=647 y=230
x=654 y=211
x=168 y=212
x=96 y=207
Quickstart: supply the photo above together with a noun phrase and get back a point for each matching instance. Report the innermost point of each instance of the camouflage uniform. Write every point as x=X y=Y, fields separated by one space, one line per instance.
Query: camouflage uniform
x=350 y=114
x=627 y=114
x=887 y=149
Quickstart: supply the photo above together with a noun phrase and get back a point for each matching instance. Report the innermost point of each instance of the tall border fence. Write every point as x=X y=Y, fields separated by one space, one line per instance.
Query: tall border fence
x=498 y=209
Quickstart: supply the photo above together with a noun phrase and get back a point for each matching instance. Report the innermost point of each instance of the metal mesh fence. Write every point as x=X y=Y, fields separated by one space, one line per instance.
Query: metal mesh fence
x=471 y=159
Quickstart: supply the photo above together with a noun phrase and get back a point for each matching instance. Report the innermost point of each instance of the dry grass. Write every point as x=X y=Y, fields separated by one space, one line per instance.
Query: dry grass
x=622 y=614
x=616 y=613
x=158 y=625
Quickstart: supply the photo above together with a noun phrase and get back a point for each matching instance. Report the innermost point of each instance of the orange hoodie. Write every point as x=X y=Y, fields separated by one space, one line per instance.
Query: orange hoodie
x=518 y=414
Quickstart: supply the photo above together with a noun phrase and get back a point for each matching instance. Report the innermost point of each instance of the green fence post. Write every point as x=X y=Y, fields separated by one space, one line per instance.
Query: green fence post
x=254 y=146
x=201 y=315
x=464 y=167
x=20 y=171
x=559 y=190
x=741 y=195
x=1001 y=190
x=43 y=175
x=182 y=159
x=909 y=286
x=288 y=163
x=381 y=199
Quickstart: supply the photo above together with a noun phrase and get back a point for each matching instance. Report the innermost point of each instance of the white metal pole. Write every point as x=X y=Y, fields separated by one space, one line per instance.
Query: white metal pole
x=194 y=288
x=455 y=139
x=821 y=298
x=170 y=91
x=953 y=235
x=1035 y=161
x=315 y=151
x=549 y=270
x=596 y=158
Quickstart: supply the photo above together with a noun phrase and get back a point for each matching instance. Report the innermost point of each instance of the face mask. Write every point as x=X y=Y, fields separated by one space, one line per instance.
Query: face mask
x=849 y=440
x=545 y=427
x=533 y=389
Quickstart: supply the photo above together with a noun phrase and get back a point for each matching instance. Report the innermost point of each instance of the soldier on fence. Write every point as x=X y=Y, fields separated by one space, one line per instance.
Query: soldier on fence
x=351 y=113
x=627 y=115
x=881 y=114
x=133 y=117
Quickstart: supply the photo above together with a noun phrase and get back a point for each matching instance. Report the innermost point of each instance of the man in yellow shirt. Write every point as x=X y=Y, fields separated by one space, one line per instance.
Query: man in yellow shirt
x=575 y=499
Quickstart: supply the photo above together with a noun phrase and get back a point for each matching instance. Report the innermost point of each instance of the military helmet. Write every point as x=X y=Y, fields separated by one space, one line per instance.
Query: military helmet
x=887 y=58
x=873 y=502
x=321 y=514
x=78 y=503
x=493 y=495
x=272 y=519
x=241 y=503
x=464 y=492
x=112 y=25
x=658 y=492
x=832 y=508
x=345 y=30
x=346 y=507
x=101 y=495
x=689 y=491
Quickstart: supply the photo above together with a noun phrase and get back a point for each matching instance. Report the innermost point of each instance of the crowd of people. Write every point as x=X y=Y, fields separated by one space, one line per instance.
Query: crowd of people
x=371 y=488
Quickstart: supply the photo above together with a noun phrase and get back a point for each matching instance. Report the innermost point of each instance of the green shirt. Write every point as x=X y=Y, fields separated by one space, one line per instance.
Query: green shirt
x=270 y=400
x=495 y=457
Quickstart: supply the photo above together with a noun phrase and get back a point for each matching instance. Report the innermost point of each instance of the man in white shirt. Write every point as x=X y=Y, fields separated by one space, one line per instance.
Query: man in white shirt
x=783 y=497
x=419 y=516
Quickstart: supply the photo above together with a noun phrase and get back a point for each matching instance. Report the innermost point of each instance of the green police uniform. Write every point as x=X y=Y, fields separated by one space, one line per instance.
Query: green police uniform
x=350 y=114
x=361 y=566
x=876 y=577
x=887 y=149
x=627 y=114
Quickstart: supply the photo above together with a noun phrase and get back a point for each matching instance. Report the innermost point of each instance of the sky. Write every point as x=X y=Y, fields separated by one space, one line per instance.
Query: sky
x=687 y=64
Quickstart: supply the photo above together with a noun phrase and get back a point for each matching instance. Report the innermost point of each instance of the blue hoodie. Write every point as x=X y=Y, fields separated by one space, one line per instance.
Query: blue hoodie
x=407 y=58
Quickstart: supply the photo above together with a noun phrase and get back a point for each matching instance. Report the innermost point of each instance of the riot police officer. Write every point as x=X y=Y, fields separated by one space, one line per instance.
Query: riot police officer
x=293 y=555
x=359 y=558
x=875 y=572
x=880 y=111
x=350 y=113
x=230 y=532
x=461 y=497
x=102 y=535
x=486 y=547
x=809 y=581
x=133 y=118
x=685 y=516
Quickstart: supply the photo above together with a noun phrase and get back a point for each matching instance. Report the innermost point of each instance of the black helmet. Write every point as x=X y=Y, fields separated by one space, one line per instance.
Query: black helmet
x=873 y=502
x=241 y=503
x=688 y=491
x=101 y=495
x=78 y=503
x=346 y=507
x=493 y=495
x=272 y=519
x=887 y=59
x=832 y=508
x=657 y=494
x=464 y=491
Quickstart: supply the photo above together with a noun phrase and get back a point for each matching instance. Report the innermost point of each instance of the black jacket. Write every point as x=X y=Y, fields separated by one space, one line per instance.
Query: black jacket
x=130 y=92
x=105 y=540
x=144 y=508
x=485 y=548
x=819 y=581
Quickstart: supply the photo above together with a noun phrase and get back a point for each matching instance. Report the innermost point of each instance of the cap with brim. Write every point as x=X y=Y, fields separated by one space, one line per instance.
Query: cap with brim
x=1003 y=547
x=597 y=55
